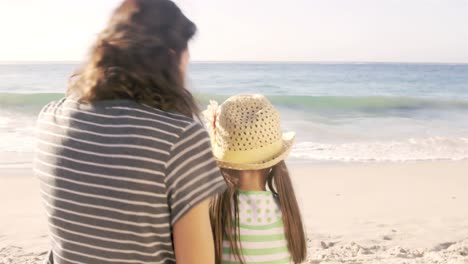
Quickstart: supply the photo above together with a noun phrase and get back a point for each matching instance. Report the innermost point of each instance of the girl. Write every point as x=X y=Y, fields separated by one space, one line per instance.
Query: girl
x=257 y=219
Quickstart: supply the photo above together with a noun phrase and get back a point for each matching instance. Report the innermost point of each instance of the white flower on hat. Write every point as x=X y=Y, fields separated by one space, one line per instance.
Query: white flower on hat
x=210 y=115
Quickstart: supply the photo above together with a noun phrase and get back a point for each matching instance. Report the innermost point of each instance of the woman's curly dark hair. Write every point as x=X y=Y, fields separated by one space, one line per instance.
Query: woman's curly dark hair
x=137 y=57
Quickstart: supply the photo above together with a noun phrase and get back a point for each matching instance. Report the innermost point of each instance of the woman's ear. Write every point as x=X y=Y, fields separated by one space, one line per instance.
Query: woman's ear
x=184 y=60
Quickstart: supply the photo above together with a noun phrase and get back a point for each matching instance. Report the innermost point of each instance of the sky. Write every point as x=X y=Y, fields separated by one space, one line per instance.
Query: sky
x=256 y=30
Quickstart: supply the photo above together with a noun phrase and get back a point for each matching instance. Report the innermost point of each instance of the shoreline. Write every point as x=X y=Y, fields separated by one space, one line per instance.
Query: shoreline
x=412 y=212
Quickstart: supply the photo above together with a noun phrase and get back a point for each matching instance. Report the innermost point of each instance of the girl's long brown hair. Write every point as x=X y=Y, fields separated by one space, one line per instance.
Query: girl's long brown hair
x=222 y=214
x=137 y=57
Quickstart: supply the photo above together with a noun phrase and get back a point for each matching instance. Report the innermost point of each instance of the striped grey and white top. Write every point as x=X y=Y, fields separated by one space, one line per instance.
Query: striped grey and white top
x=116 y=176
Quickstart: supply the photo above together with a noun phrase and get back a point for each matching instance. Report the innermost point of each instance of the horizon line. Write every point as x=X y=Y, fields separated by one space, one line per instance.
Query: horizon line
x=247 y=62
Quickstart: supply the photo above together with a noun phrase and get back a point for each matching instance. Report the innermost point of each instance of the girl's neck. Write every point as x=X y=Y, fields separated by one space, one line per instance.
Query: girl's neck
x=252 y=180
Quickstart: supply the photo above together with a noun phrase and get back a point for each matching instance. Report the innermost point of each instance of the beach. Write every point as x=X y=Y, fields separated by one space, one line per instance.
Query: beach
x=380 y=162
x=375 y=92
x=408 y=212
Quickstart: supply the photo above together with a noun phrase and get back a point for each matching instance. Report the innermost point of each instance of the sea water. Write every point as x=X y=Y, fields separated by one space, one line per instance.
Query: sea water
x=364 y=112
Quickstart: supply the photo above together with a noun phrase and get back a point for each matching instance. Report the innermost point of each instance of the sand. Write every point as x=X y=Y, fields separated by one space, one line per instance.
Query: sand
x=354 y=213
x=385 y=213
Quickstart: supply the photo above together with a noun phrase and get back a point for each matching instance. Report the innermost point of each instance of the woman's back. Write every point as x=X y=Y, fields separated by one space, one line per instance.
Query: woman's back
x=116 y=176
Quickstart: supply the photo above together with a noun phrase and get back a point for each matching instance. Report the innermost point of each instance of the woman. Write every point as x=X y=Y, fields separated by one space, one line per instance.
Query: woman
x=125 y=171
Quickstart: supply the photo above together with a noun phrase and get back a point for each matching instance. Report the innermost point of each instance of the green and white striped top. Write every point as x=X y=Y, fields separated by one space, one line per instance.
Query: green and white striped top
x=261 y=230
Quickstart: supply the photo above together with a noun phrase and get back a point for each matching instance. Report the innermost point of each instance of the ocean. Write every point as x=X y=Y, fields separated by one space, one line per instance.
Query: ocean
x=342 y=112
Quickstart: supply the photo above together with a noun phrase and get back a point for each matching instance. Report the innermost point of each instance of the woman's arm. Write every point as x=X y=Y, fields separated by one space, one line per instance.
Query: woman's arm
x=193 y=240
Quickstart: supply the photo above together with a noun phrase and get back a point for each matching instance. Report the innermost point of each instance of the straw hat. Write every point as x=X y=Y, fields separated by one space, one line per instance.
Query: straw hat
x=246 y=133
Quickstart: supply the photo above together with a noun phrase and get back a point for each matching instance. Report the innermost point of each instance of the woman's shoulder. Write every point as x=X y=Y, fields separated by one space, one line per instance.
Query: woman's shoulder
x=49 y=107
x=122 y=112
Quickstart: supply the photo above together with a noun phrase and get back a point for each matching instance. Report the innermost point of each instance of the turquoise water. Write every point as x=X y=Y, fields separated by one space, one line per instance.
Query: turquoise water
x=344 y=112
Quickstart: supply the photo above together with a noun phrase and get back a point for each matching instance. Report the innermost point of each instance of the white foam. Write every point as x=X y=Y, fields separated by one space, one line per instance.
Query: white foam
x=16 y=132
x=17 y=142
x=432 y=148
x=4 y=121
x=17 y=136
